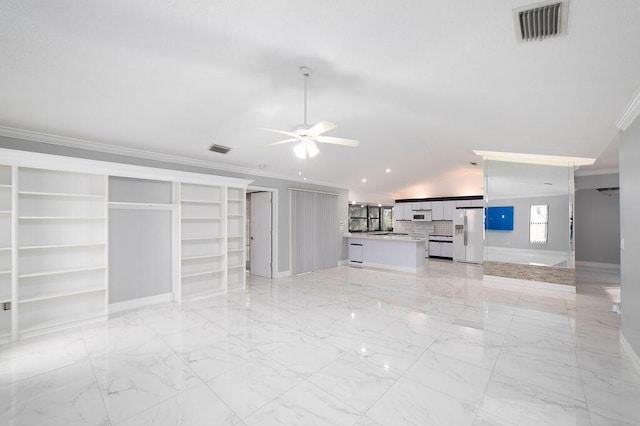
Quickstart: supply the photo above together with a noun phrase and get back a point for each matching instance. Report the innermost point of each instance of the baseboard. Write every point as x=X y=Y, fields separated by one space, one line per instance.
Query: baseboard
x=615 y=266
x=633 y=356
x=564 y=288
x=282 y=274
x=140 y=303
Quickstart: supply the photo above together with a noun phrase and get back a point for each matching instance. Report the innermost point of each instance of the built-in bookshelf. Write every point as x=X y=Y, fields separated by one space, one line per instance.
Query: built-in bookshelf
x=202 y=240
x=61 y=248
x=235 y=238
x=6 y=252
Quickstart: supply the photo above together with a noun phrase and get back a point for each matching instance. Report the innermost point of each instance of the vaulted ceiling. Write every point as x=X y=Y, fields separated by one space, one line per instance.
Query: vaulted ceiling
x=420 y=83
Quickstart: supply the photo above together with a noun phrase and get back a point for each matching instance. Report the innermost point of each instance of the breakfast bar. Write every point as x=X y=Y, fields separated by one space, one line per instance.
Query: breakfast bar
x=387 y=251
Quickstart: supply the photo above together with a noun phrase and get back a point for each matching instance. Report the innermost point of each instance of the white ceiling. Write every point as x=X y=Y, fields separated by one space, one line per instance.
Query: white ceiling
x=420 y=83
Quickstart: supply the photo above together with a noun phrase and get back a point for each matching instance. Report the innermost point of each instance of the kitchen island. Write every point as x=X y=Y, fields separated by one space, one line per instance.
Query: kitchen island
x=388 y=251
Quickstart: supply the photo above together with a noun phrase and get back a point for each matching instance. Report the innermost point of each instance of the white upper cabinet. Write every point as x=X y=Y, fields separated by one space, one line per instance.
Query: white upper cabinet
x=426 y=205
x=449 y=210
x=437 y=210
x=416 y=205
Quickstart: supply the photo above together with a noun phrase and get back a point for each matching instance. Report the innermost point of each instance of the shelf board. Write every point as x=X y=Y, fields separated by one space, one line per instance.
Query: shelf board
x=5 y=211
x=201 y=238
x=197 y=274
x=200 y=202
x=66 y=294
x=64 y=271
x=68 y=320
x=61 y=218
x=5 y=248
x=4 y=185
x=235 y=215
x=5 y=272
x=5 y=301
x=235 y=266
x=201 y=218
x=126 y=203
x=59 y=194
x=235 y=250
x=236 y=200
x=52 y=246
x=206 y=256
x=235 y=236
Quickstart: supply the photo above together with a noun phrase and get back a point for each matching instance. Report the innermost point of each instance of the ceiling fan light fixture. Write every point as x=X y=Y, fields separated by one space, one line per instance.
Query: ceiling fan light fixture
x=306 y=149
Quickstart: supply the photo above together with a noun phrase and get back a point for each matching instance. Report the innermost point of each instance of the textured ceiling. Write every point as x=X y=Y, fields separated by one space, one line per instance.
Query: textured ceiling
x=420 y=83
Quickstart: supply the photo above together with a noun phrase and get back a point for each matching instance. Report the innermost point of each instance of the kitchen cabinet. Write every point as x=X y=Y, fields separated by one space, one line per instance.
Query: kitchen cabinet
x=402 y=211
x=416 y=205
x=446 y=250
x=477 y=203
x=437 y=210
x=355 y=252
x=463 y=203
x=426 y=205
x=449 y=210
x=434 y=249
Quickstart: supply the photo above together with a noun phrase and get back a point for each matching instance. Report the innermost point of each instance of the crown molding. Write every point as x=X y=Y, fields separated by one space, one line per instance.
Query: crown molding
x=630 y=112
x=87 y=145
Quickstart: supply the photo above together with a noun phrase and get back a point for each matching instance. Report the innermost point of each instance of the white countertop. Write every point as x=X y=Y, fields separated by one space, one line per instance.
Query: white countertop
x=366 y=236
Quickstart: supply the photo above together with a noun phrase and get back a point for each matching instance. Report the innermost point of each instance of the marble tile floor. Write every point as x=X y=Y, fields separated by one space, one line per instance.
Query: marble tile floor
x=343 y=346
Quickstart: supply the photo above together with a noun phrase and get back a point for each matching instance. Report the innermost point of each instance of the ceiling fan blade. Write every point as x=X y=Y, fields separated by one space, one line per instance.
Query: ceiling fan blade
x=293 y=135
x=337 y=141
x=282 y=142
x=320 y=128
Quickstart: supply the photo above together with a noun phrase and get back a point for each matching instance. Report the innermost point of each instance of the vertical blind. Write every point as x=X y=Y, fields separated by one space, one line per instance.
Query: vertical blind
x=314 y=234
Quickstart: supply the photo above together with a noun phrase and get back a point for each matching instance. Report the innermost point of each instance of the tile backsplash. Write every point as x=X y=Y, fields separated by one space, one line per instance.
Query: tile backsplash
x=423 y=229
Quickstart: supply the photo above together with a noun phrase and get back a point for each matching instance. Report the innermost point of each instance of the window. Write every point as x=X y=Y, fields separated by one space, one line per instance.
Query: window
x=538 y=224
x=363 y=218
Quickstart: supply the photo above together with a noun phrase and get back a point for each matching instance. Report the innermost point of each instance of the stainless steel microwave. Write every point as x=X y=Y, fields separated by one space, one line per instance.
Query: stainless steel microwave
x=422 y=216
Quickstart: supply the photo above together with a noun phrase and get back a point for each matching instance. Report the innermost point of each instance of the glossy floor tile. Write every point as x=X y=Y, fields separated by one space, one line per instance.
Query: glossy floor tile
x=343 y=346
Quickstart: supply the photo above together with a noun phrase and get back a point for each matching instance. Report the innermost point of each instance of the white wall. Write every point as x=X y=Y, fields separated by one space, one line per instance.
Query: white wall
x=630 y=234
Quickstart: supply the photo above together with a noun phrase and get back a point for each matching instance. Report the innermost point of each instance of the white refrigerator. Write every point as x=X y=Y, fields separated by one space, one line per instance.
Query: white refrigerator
x=468 y=234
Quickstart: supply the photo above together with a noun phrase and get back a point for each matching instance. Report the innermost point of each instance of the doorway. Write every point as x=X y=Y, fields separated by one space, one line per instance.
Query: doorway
x=261 y=247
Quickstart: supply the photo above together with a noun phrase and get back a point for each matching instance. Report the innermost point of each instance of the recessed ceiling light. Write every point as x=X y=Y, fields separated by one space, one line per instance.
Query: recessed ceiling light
x=299 y=173
x=304 y=178
x=388 y=171
x=361 y=205
x=379 y=205
x=364 y=180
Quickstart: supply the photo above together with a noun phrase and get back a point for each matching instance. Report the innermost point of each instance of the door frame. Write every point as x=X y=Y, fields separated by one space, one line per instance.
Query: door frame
x=274 y=225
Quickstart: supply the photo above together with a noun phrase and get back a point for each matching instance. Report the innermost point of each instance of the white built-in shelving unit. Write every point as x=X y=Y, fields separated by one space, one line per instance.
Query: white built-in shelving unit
x=59 y=264
x=202 y=240
x=61 y=249
x=235 y=238
x=6 y=251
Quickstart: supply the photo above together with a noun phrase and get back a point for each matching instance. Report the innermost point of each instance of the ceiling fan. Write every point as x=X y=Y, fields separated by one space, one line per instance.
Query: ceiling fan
x=309 y=135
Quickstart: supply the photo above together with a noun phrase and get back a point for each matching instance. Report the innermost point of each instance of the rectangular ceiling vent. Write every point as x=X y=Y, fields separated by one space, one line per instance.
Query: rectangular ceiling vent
x=221 y=149
x=541 y=21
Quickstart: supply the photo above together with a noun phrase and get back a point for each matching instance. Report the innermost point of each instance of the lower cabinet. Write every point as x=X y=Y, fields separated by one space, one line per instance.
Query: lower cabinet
x=441 y=249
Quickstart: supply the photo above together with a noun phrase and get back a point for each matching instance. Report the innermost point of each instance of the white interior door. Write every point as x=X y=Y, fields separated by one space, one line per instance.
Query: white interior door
x=260 y=234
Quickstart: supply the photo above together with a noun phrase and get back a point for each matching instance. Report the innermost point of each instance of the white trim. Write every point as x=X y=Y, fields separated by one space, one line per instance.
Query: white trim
x=344 y=262
x=564 y=288
x=630 y=112
x=139 y=303
x=282 y=274
x=388 y=267
x=612 y=266
x=551 y=160
x=633 y=356
x=87 y=145
x=141 y=206
x=612 y=171
x=311 y=190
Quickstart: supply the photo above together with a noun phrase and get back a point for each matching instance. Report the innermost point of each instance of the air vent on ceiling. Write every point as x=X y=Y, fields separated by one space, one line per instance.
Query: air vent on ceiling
x=219 y=148
x=541 y=21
